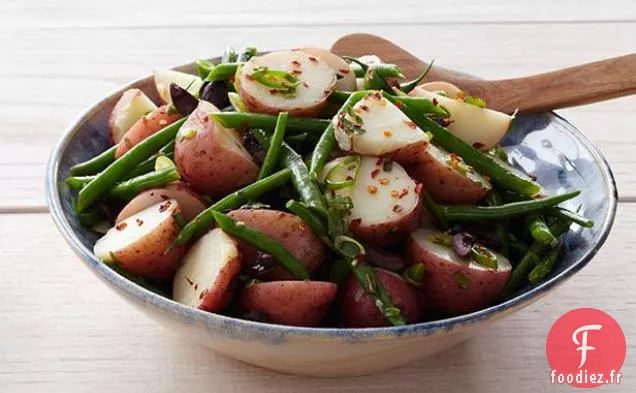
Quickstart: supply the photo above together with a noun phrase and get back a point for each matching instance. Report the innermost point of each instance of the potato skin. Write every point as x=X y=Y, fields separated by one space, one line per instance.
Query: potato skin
x=288 y=230
x=127 y=99
x=189 y=201
x=220 y=294
x=347 y=81
x=388 y=233
x=358 y=310
x=297 y=303
x=444 y=294
x=444 y=184
x=208 y=165
x=145 y=257
x=144 y=127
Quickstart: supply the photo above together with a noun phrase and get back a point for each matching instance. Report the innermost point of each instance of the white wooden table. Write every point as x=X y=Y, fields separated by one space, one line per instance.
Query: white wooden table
x=61 y=330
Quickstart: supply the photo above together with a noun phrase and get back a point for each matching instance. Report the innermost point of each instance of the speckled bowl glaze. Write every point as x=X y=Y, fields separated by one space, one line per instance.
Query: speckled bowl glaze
x=543 y=144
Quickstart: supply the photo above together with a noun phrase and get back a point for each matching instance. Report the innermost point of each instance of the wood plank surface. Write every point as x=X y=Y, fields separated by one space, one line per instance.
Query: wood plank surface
x=69 y=74
x=63 y=330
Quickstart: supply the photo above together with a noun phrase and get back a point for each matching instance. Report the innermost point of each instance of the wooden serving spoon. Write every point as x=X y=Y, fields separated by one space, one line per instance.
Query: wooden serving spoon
x=583 y=84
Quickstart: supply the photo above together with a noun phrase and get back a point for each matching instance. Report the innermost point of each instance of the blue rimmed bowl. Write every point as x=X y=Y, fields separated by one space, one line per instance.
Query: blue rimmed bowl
x=545 y=145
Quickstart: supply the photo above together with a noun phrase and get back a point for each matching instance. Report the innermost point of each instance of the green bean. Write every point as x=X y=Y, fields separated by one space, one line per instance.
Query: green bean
x=374 y=81
x=544 y=267
x=487 y=165
x=421 y=104
x=298 y=138
x=204 y=68
x=383 y=70
x=540 y=231
x=494 y=213
x=373 y=287
x=203 y=221
x=314 y=222
x=503 y=233
x=339 y=271
x=306 y=188
x=268 y=122
x=571 y=216
x=118 y=169
x=262 y=242
x=435 y=210
x=95 y=164
x=327 y=141
x=149 y=164
x=222 y=71
x=77 y=182
x=130 y=188
x=518 y=244
x=530 y=260
x=142 y=282
x=409 y=86
x=273 y=152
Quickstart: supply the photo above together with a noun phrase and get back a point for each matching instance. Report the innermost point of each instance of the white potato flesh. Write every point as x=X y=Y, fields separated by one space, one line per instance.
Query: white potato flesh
x=370 y=59
x=316 y=76
x=132 y=106
x=441 y=156
x=378 y=196
x=190 y=202
x=386 y=129
x=346 y=79
x=206 y=273
x=164 y=77
x=424 y=238
x=480 y=127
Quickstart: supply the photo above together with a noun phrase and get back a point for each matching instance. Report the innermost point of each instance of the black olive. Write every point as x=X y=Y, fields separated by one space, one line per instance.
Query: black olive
x=184 y=102
x=216 y=93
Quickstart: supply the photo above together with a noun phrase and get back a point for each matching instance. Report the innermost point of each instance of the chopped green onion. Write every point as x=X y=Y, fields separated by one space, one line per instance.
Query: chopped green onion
x=351 y=163
x=349 y=246
x=484 y=257
x=475 y=101
x=443 y=239
x=278 y=80
x=461 y=279
x=163 y=162
x=414 y=275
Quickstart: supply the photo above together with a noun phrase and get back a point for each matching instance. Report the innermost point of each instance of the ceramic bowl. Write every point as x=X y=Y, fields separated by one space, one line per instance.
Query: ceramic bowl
x=545 y=145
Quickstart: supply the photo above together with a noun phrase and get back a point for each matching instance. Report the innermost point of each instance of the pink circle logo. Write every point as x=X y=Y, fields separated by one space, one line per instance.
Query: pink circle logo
x=586 y=348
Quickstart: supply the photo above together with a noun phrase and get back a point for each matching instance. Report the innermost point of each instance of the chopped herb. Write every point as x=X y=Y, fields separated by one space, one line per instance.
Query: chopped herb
x=443 y=239
x=476 y=101
x=414 y=275
x=461 y=279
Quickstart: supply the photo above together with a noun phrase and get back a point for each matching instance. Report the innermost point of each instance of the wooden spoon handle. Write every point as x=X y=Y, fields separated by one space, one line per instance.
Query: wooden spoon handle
x=572 y=86
x=583 y=84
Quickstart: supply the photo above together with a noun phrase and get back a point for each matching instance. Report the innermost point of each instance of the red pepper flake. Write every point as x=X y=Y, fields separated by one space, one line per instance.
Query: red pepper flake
x=139 y=222
x=486 y=177
x=121 y=226
x=249 y=77
x=273 y=91
x=189 y=280
x=196 y=286
x=327 y=92
x=364 y=108
x=455 y=157
x=375 y=173
x=384 y=181
x=372 y=189
x=410 y=124
x=164 y=197
x=478 y=145
x=399 y=104
x=418 y=188
x=203 y=293
x=532 y=177
x=296 y=63
x=404 y=193
x=395 y=193
x=377 y=95
x=435 y=102
x=348 y=178
x=379 y=161
x=305 y=84
x=313 y=59
x=164 y=206
x=388 y=133
x=344 y=71
x=296 y=72
x=397 y=208
x=355 y=222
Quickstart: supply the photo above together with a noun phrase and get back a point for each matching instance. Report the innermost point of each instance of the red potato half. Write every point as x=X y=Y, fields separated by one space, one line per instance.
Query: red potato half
x=358 y=310
x=190 y=203
x=386 y=204
x=144 y=127
x=453 y=285
x=480 y=127
x=211 y=158
x=317 y=82
x=163 y=79
x=446 y=184
x=387 y=131
x=346 y=79
x=138 y=243
x=297 y=303
x=132 y=106
x=288 y=230
x=205 y=278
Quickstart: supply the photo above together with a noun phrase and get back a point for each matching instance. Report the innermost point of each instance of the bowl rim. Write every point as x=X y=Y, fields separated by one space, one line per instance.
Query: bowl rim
x=130 y=289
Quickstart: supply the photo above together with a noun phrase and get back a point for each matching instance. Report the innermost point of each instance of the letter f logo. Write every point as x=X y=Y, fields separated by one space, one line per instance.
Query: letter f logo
x=583 y=344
